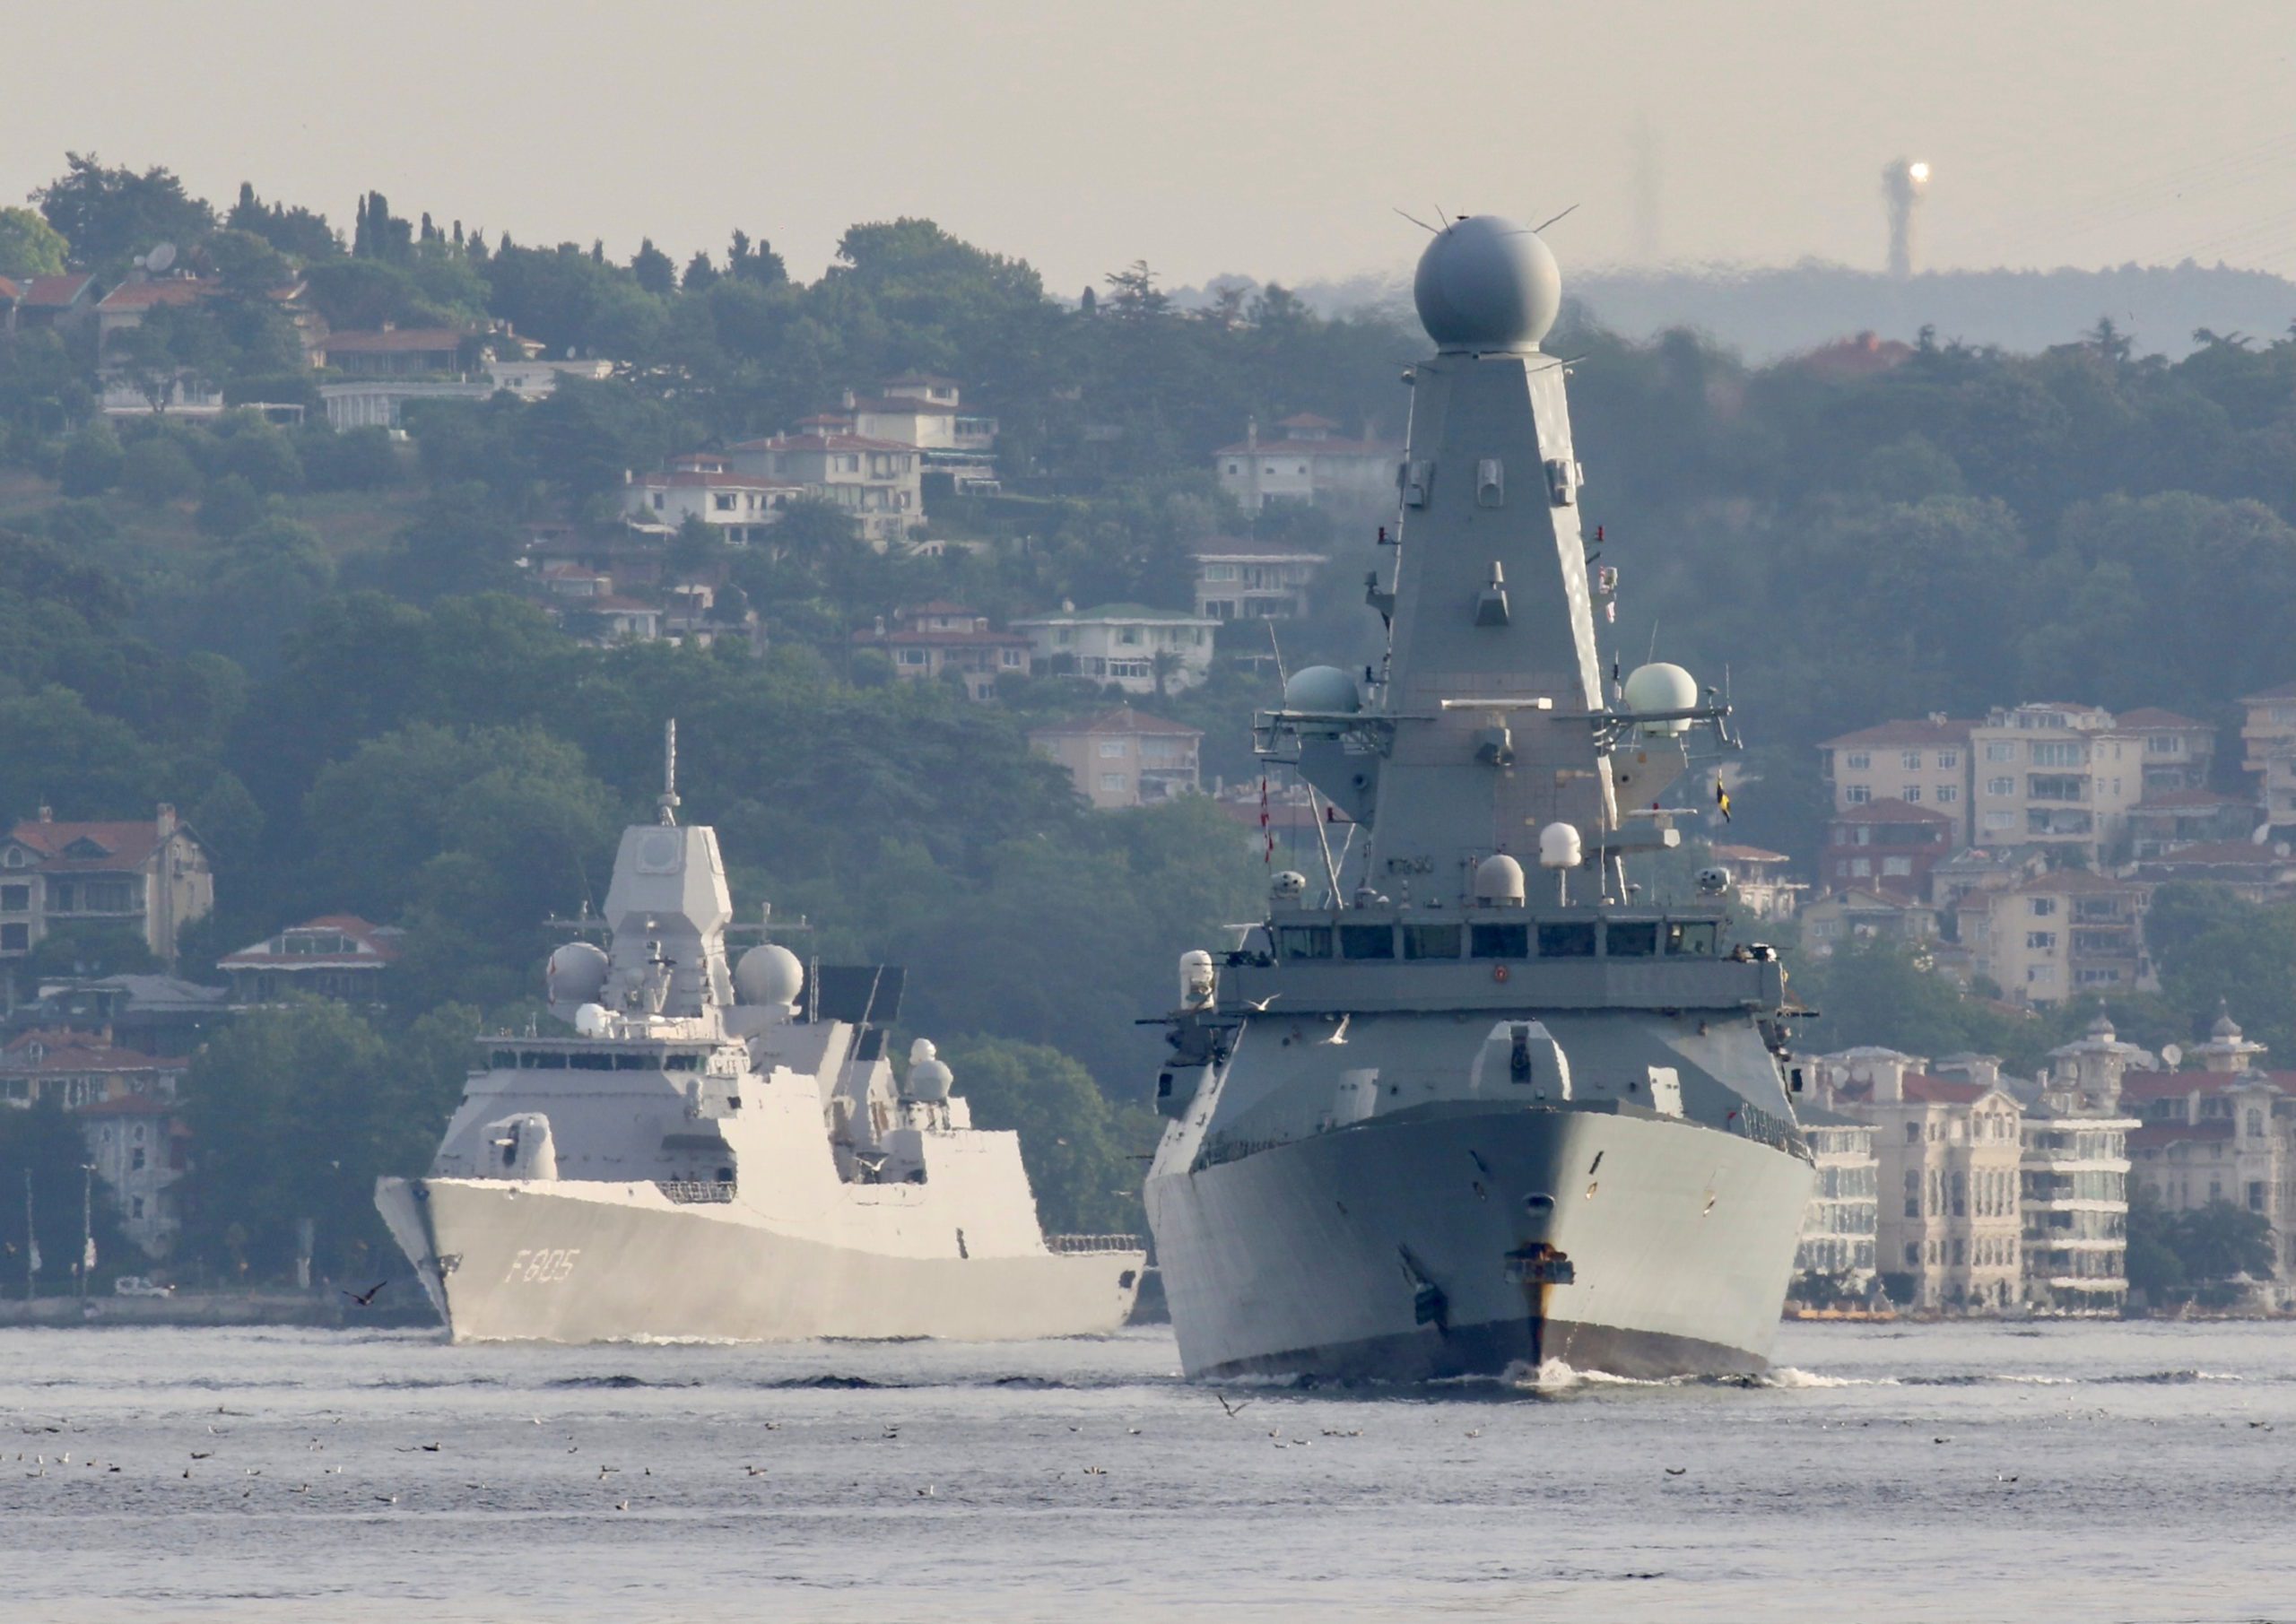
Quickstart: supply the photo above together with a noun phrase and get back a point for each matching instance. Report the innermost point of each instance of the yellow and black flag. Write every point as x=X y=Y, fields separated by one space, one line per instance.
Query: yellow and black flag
x=1722 y=798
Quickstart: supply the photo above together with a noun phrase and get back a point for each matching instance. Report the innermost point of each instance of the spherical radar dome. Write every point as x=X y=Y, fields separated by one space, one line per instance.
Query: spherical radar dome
x=1324 y=690
x=576 y=972
x=1487 y=283
x=1661 y=687
x=769 y=972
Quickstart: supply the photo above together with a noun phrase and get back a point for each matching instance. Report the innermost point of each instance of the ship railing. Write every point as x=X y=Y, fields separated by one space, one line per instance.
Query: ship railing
x=1074 y=1246
x=688 y=1191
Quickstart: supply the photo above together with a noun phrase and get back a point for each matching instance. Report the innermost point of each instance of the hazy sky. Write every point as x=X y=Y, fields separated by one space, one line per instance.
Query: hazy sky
x=1276 y=139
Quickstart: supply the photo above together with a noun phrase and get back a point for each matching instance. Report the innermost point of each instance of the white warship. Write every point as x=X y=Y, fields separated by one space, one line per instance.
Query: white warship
x=721 y=1151
x=1437 y=1115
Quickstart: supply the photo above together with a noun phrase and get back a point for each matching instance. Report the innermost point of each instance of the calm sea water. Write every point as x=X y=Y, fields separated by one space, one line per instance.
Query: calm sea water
x=1970 y=1472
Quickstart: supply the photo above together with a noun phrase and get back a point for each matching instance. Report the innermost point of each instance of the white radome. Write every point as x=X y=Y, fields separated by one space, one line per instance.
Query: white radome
x=576 y=972
x=1560 y=846
x=1499 y=878
x=1487 y=283
x=769 y=972
x=1661 y=687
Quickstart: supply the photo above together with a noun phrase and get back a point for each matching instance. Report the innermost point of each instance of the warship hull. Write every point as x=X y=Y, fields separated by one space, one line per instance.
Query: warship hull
x=1465 y=1239
x=549 y=1261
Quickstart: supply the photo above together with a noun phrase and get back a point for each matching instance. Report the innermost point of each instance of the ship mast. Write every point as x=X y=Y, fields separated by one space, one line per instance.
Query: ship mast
x=669 y=800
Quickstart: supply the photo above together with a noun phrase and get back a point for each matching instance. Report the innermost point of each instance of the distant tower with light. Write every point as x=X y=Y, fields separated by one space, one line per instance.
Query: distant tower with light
x=1903 y=181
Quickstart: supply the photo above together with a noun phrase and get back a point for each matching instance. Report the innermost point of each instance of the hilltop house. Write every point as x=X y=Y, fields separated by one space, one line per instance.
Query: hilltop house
x=927 y=640
x=1139 y=650
x=335 y=956
x=1121 y=758
x=151 y=878
x=1247 y=580
x=1310 y=463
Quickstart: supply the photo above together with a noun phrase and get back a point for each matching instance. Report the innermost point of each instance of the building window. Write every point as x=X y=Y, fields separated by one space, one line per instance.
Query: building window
x=1857 y=760
x=1911 y=760
x=1856 y=795
x=1947 y=794
x=15 y=938
x=1861 y=868
x=1912 y=795
x=1949 y=758
x=2001 y=750
x=2042 y=908
x=15 y=899
x=1111 y=749
x=1112 y=780
x=136 y=1160
x=1897 y=865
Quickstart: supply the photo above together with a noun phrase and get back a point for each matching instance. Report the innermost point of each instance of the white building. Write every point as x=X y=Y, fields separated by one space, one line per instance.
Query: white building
x=1121 y=758
x=2056 y=775
x=740 y=507
x=1140 y=649
x=876 y=482
x=1839 y=1224
x=2073 y=1178
x=1246 y=580
x=1310 y=463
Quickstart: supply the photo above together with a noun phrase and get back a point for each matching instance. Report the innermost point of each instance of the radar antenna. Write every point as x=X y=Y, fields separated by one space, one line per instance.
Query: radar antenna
x=669 y=801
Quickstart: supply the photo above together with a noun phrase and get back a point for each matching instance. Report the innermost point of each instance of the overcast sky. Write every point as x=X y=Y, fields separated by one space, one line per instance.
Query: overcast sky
x=1274 y=139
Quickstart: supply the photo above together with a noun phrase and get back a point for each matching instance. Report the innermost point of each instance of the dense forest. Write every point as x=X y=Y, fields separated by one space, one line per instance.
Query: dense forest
x=314 y=642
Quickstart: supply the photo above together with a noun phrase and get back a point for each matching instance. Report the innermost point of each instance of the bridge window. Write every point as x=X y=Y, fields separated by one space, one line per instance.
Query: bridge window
x=1431 y=941
x=1632 y=940
x=1502 y=941
x=1690 y=937
x=1567 y=940
x=1304 y=941
x=1367 y=941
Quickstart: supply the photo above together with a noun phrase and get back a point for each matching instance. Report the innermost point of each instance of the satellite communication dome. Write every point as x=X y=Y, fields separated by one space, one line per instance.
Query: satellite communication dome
x=591 y=1021
x=769 y=972
x=1499 y=878
x=1487 y=283
x=1197 y=979
x=1661 y=687
x=1559 y=846
x=1321 y=688
x=1288 y=886
x=929 y=1077
x=576 y=973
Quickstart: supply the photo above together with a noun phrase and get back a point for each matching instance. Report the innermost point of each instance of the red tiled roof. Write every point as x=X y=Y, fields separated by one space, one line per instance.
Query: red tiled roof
x=55 y=293
x=912 y=406
x=1923 y=1089
x=395 y=341
x=9 y=289
x=2153 y=1136
x=2065 y=881
x=1908 y=731
x=132 y=1105
x=1861 y=356
x=125 y=844
x=1889 y=809
x=1121 y=719
x=172 y=291
x=2175 y=1085
x=64 y=1052
x=2153 y=715
x=379 y=943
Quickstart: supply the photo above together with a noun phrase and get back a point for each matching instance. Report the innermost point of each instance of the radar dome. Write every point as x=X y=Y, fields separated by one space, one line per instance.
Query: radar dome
x=929 y=1077
x=1661 y=687
x=769 y=972
x=1499 y=878
x=1322 y=688
x=1487 y=283
x=576 y=973
x=1560 y=846
x=591 y=1021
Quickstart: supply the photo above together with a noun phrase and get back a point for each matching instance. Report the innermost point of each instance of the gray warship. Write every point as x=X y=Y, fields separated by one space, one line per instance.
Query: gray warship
x=1466 y=1103
x=718 y=1150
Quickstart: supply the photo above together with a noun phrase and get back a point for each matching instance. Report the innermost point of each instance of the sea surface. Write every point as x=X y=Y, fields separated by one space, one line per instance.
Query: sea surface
x=2056 y=1471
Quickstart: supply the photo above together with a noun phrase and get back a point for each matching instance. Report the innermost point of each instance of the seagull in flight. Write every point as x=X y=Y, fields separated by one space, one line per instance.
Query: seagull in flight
x=1258 y=1006
x=1233 y=1410
x=366 y=1298
x=1339 y=1033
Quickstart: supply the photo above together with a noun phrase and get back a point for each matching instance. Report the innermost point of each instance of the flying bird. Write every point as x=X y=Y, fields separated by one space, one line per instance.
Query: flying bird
x=1233 y=1410
x=365 y=1299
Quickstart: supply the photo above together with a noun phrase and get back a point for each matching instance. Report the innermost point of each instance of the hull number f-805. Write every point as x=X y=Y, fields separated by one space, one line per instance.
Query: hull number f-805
x=545 y=1267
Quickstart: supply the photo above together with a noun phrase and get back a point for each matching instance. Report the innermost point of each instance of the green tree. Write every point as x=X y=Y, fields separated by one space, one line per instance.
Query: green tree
x=1082 y=1154
x=29 y=245
x=657 y=272
x=91 y=461
x=90 y=950
x=45 y=1145
x=108 y=213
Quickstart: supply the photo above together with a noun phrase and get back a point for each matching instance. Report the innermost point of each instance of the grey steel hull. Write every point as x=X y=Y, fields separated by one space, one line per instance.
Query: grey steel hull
x=1424 y=1244
x=570 y=1263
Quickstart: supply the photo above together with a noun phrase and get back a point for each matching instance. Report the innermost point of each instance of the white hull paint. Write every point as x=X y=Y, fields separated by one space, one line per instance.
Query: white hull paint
x=562 y=1262
x=1314 y=1258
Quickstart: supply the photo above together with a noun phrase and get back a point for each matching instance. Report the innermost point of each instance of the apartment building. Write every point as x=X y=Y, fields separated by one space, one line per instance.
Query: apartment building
x=2060 y=934
x=1888 y=845
x=1246 y=580
x=2056 y=775
x=1922 y=762
x=1309 y=463
x=926 y=641
x=1140 y=650
x=1121 y=758
x=2073 y=1177
x=2268 y=751
x=1838 y=1225
x=876 y=482
x=1947 y=1156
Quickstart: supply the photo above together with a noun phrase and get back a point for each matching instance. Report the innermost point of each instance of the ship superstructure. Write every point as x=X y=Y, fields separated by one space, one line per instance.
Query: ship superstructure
x=1463 y=1099
x=720 y=1149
